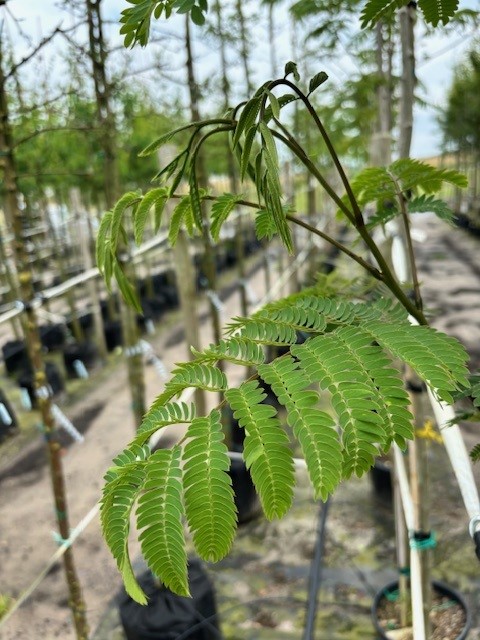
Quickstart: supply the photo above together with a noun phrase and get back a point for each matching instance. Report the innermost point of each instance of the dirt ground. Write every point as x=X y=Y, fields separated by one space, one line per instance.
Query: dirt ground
x=449 y=267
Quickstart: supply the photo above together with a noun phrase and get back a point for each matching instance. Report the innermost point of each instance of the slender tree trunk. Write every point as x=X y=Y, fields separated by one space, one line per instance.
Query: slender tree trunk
x=239 y=246
x=407 y=22
x=271 y=37
x=244 y=47
x=381 y=151
x=106 y=119
x=209 y=253
x=15 y=216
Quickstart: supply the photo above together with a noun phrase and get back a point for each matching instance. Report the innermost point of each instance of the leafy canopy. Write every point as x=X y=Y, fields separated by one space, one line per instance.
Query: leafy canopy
x=340 y=349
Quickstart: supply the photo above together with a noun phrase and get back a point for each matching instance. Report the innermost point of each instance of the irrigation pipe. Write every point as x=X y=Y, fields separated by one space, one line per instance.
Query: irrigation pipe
x=452 y=437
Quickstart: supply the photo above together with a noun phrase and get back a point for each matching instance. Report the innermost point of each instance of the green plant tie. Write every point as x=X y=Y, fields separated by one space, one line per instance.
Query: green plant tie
x=404 y=571
x=391 y=596
x=61 y=515
x=422 y=541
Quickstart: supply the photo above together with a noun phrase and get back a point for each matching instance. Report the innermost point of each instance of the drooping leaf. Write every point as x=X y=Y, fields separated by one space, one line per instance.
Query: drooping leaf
x=153 y=198
x=316 y=81
x=159 y=518
x=266 y=448
x=292 y=69
x=166 y=137
x=209 y=504
x=221 y=209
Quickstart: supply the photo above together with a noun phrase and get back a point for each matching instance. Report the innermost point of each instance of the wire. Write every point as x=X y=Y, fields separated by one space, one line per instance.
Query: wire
x=316 y=573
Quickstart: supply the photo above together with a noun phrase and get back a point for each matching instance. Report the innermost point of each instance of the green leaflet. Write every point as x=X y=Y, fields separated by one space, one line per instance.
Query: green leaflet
x=180 y=213
x=154 y=197
x=247 y=118
x=159 y=516
x=119 y=496
x=264 y=225
x=221 y=209
x=313 y=428
x=209 y=504
x=102 y=244
x=128 y=292
x=317 y=80
x=192 y=374
x=238 y=350
x=323 y=360
x=266 y=448
x=429 y=204
x=246 y=151
x=159 y=142
x=158 y=417
x=437 y=358
x=434 y=11
x=126 y=201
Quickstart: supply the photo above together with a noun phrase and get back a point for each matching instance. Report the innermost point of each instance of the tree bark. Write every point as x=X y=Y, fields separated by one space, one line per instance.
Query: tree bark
x=15 y=216
x=407 y=22
x=106 y=120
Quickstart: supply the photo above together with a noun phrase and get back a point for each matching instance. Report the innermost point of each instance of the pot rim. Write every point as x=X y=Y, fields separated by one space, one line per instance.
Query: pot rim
x=441 y=587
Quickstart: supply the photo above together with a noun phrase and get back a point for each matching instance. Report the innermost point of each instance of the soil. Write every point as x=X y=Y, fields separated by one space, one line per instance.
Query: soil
x=262 y=585
x=447 y=617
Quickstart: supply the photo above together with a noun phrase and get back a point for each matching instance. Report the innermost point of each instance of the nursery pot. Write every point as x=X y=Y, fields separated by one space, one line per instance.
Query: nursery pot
x=113 y=334
x=381 y=477
x=8 y=421
x=245 y=495
x=52 y=336
x=85 y=352
x=440 y=588
x=54 y=380
x=15 y=355
x=168 y=616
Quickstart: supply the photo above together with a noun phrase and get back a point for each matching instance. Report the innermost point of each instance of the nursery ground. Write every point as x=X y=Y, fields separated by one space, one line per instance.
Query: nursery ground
x=261 y=587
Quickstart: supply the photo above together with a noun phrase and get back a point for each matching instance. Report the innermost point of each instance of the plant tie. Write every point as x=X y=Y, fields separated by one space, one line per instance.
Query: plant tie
x=421 y=540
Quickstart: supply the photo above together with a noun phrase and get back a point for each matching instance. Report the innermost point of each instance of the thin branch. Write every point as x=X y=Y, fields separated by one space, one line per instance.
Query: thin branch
x=37 y=132
x=40 y=45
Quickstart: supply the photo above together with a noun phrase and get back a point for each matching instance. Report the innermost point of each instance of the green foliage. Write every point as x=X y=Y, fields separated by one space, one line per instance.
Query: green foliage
x=475 y=453
x=211 y=512
x=348 y=356
x=136 y=20
x=266 y=449
x=434 y=11
x=220 y=211
x=387 y=188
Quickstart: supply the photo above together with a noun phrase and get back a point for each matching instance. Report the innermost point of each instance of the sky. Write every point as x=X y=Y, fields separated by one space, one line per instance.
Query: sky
x=437 y=56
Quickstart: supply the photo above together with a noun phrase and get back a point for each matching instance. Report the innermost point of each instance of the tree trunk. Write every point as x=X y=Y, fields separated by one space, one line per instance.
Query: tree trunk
x=15 y=216
x=244 y=46
x=239 y=246
x=407 y=22
x=209 y=252
x=106 y=120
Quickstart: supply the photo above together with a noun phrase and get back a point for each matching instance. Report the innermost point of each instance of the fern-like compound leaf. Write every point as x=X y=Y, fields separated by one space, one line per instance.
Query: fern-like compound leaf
x=263 y=330
x=475 y=453
x=126 y=201
x=266 y=448
x=354 y=399
x=247 y=118
x=438 y=359
x=160 y=518
x=314 y=429
x=159 y=142
x=221 y=209
x=153 y=198
x=103 y=240
x=430 y=204
x=192 y=374
x=180 y=213
x=383 y=382
x=209 y=503
x=237 y=350
x=119 y=495
x=436 y=11
x=158 y=417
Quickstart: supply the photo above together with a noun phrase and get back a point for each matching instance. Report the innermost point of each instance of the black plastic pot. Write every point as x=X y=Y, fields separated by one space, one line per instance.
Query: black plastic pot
x=168 y=616
x=246 y=498
x=52 y=336
x=84 y=352
x=113 y=334
x=15 y=355
x=54 y=380
x=381 y=477
x=440 y=587
x=153 y=308
x=8 y=420
x=86 y=323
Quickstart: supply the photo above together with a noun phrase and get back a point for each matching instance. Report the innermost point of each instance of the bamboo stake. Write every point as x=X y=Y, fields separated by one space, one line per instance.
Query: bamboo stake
x=15 y=217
